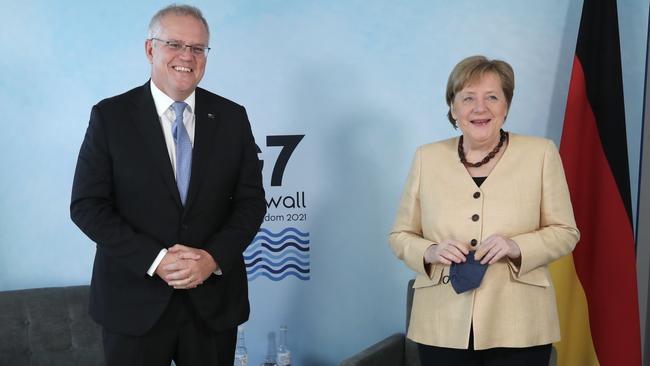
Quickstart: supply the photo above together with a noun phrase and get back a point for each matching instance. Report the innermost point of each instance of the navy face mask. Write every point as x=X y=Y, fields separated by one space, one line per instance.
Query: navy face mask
x=467 y=276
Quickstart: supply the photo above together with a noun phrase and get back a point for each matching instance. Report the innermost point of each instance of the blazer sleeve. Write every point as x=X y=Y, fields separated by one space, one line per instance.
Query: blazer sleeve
x=558 y=234
x=248 y=206
x=93 y=209
x=406 y=238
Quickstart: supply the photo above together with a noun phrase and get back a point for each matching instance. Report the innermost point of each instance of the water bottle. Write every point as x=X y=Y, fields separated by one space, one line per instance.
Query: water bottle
x=241 y=354
x=269 y=359
x=284 y=355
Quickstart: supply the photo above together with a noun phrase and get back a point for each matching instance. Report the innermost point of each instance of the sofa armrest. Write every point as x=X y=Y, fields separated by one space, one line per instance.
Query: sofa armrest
x=389 y=352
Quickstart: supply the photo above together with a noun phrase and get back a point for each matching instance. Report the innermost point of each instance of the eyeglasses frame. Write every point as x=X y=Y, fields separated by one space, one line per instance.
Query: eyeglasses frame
x=179 y=47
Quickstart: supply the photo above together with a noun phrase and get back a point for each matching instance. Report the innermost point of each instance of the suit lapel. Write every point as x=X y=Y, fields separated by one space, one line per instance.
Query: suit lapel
x=205 y=128
x=148 y=124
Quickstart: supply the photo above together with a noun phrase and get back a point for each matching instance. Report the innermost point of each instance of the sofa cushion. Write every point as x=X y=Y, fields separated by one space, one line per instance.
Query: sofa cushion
x=48 y=326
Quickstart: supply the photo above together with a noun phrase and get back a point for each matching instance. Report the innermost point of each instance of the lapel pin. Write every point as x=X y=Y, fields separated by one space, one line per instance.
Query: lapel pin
x=210 y=115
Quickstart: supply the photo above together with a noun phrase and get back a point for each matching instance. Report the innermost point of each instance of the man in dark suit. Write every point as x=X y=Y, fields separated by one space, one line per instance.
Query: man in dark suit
x=169 y=186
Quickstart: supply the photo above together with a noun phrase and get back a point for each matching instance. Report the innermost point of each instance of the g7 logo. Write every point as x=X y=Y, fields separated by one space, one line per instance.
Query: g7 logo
x=288 y=143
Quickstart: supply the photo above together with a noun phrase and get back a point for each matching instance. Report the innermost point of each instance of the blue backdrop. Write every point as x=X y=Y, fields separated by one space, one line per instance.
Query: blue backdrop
x=362 y=81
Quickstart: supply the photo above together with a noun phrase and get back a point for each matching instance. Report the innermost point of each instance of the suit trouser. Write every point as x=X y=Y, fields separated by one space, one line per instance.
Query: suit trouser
x=179 y=335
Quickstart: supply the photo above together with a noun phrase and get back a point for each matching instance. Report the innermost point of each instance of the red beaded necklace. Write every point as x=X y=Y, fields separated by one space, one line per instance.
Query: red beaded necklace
x=461 y=152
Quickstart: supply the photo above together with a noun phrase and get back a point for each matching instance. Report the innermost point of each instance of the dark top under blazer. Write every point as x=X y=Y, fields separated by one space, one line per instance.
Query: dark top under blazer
x=125 y=198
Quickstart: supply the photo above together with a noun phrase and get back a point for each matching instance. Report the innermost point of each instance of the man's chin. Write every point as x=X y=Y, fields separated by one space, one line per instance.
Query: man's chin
x=183 y=90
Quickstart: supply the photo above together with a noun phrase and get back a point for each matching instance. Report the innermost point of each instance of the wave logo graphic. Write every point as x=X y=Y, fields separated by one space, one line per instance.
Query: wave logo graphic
x=278 y=255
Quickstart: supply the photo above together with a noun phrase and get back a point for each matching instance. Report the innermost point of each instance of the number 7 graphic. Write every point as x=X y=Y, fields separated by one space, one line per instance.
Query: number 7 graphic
x=289 y=144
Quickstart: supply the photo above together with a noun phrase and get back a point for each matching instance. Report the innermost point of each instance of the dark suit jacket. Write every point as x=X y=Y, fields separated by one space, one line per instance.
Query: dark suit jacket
x=125 y=198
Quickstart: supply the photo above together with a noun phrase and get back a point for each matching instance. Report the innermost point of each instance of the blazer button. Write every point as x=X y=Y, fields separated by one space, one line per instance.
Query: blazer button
x=473 y=242
x=475 y=217
x=184 y=226
x=477 y=194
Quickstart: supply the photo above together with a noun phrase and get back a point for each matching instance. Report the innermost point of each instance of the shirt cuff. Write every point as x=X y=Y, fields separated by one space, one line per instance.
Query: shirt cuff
x=156 y=262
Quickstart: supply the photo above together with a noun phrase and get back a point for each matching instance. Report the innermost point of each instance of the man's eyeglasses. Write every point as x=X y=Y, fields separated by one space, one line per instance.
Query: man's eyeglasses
x=176 y=46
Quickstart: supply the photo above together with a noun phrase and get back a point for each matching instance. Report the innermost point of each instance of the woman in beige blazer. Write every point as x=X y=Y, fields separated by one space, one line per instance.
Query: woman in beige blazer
x=501 y=198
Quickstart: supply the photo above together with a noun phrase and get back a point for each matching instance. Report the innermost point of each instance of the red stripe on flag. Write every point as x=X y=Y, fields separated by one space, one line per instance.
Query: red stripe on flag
x=604 y=258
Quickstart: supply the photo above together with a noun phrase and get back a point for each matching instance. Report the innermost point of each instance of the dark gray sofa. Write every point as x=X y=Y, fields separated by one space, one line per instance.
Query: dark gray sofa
x=395 y=350
x=48 y=326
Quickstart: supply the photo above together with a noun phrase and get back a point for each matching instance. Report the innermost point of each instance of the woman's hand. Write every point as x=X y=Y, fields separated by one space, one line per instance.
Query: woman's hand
x=445 y=252
x=496 y=247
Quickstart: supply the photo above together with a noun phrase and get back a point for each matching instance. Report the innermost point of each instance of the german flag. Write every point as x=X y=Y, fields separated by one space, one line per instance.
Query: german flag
x=596 y=285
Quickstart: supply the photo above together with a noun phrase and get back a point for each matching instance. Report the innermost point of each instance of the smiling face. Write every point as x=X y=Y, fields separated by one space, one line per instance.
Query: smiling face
x=480 y=109
x=177 y=73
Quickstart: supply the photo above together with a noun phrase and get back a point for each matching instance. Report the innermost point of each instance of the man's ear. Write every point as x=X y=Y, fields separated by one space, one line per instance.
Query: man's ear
x=148 y=50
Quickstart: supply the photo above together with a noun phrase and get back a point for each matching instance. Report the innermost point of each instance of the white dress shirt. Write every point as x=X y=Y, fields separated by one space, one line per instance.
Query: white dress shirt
x=166 y=115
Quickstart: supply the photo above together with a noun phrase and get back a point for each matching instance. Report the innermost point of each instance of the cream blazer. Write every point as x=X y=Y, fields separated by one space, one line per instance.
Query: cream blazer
x=525 y=198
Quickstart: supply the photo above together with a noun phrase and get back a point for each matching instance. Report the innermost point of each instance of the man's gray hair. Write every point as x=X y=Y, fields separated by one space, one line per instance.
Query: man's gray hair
x=180 y=10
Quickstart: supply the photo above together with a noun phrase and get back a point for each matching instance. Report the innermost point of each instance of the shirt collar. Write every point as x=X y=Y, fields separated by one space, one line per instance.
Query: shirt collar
x=163 y=101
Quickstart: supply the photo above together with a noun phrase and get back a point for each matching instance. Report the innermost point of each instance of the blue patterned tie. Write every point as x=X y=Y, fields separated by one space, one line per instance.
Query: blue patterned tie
x=183 y=151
